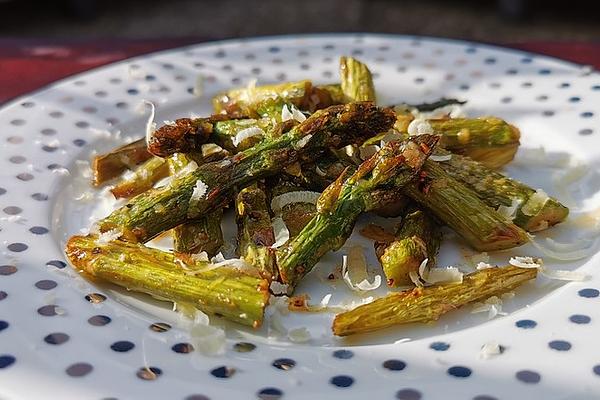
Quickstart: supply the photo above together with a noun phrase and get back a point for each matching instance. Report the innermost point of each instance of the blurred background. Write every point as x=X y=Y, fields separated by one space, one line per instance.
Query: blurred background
x=491 y=21
x=42 y=41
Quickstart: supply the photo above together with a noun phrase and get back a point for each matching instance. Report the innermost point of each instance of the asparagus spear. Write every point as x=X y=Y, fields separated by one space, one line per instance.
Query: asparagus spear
x=143 y=178
x=335 y=93
x=228 y=292
x=209 y=186
x=356 y=80
x=249 y=100
x=113 y=164
x=344 y=200
x=533 y=210
x=255 y=233
x=429 y=303
x=417 y=238
x=459 y=207
x=489 y=140
x=203 y=234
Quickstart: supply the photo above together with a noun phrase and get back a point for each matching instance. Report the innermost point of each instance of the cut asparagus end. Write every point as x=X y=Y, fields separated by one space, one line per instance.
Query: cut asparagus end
x=143 y=178
x=226 y=292
x=429 y=303
x=456 y=205
x=110 y=165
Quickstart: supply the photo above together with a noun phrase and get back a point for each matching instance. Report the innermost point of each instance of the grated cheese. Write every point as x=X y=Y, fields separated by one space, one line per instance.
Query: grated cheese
x=300 y=196
x=200 y=191
x=108 y=236
x=510 y=212
x=246 y=134
x=354 y=271
x=443 y=158
x=490 y=350
x=150 y=124
x=419 y=126
x=281 y=232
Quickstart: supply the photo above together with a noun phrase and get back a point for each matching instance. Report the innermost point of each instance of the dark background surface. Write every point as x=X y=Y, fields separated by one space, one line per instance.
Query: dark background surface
x=490 y=21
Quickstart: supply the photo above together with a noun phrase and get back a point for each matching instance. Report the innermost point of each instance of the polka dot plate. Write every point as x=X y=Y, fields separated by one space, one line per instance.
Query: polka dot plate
x=64 y=337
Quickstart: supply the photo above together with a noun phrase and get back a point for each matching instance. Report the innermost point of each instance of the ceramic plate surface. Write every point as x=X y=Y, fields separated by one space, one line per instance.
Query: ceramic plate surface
x=64 y=337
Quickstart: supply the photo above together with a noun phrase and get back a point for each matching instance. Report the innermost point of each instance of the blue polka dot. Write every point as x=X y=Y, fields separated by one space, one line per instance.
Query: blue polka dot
x=544 y=71
x=439 y=346
x=587 y=114
x=589 y=293
x=564 y=85
x=484 y=397
x=342 y=381
x=526 y=60
x=408 y=394
x=526 y=324
x=284 y=364
x=560 y=345
x=580 y=319
x=527 y=376
x=269 y=393
x=596 y=369
x=490 y=60
x=274 y=49
x=132 y=91
x=182 y=348
x=596 y=87
x=459 y=371
x=343 y=354
x=470 y=50
x=222 y=372
x=464 y=87
x=6 y=361
x=574 y=99
x=511 y=71
x=57 y=263
x=3 y=325
x=122 y=346
x=394 y=365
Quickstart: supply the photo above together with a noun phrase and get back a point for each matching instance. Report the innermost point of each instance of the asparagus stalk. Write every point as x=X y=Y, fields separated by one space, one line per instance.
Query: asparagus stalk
x=417 y=238
x=531 y=210
x=210 y=185
x=344 y=200
x=335 y=93
x=108 y=166
x=356 y=80
x=255 y=232
x=489 y=140
x=429 y=303
x=203 y=234
x=143 y=178
x=459 y=207
x=252 y=99
x=223 y=291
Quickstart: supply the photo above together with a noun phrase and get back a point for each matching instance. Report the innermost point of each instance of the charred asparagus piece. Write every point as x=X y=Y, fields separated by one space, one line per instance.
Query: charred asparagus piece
x=429 y=303
x=344 y=200
x=255 y=232
x=417 y=238
x=108 y=166
x=530 y=209
x=459 y=207
x=203 y=234
x=223 y=291
x=210 y=185
x=356 y=80
x=143 y=178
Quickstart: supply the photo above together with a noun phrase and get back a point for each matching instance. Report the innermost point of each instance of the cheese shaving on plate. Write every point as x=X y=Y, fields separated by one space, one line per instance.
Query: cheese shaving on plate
x=490 y=350
x=439 y=275
x=300 y=196
x=150 y=124
x=281 y=232
x=493 y=306
x=562 y=275
x=246 y=134
x=354 y=271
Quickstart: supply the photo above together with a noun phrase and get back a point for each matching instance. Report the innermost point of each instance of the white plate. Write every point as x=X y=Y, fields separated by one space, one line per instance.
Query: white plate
x=54 y=343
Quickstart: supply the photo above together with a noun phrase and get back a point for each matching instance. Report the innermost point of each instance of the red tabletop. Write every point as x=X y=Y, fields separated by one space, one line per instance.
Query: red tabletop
x=27 y=64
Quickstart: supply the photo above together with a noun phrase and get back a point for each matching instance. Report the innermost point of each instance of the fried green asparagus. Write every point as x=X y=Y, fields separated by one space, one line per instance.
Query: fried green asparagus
x=228 y=292
x=143 y=178
x=110 y=165
x=210 y=186
x=418 y=238
x=356 y=80
x=458 y=206
x=344 y=200
x=429 y=303
x=530 y=209
x=203 y=234
x=255 y=232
